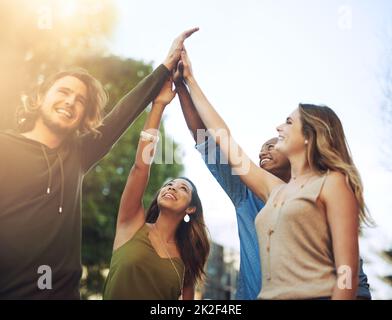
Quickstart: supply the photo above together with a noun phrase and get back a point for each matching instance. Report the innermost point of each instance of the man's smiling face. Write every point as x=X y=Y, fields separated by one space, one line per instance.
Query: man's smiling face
x=63 y=106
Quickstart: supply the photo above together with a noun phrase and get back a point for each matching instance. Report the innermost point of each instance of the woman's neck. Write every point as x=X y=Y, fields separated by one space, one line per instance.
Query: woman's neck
x=166 y=226
x=299 y=166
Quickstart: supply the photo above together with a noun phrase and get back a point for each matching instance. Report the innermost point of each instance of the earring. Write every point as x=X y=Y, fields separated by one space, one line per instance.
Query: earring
x=187 y=218
x=306 y=141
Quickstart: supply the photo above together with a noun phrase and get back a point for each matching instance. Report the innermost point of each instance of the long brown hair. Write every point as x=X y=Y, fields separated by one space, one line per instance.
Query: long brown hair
x=328 y=149
x=191 y=237
x=96 y=101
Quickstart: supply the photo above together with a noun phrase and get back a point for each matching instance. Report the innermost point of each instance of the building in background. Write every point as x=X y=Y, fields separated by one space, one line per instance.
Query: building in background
x=222 y=273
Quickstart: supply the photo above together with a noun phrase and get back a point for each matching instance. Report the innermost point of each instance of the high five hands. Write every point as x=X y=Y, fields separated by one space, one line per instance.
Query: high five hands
x=176 y=48
x=175 y=65
x=183 y=72
x=178 y=63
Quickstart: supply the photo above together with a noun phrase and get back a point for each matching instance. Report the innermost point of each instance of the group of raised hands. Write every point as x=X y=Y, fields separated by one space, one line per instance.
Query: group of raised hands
x=178 y=63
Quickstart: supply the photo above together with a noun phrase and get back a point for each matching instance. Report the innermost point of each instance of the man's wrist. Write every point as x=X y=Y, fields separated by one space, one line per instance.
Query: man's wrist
x=168 y=64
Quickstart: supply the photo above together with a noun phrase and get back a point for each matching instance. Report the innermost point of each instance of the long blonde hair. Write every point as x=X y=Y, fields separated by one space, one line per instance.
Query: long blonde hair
x=328 y=149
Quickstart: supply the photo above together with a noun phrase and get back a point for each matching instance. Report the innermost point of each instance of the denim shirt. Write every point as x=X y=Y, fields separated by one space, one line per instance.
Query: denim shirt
x=247 y=206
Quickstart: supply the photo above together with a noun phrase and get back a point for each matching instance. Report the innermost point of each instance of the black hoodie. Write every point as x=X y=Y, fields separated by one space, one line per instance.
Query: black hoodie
x=40 y=201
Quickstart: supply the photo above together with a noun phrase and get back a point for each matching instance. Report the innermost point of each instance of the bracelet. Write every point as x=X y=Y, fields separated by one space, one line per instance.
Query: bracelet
x=145 y=136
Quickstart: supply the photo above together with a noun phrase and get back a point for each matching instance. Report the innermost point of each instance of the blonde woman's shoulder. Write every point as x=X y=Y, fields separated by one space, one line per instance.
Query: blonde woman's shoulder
x=336 y=186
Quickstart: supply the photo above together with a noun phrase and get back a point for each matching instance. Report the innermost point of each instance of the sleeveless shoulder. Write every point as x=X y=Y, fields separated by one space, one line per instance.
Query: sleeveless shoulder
x=313 y=188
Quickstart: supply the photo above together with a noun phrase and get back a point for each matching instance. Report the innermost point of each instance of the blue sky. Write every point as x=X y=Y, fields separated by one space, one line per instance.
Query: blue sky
x=256 y=60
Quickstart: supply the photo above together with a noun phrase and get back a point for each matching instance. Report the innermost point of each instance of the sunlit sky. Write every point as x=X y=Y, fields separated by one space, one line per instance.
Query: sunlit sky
x=256 y=60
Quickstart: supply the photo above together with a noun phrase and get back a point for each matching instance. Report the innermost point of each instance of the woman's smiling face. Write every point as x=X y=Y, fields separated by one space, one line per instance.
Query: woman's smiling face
x=175 y=195
x=291 y=139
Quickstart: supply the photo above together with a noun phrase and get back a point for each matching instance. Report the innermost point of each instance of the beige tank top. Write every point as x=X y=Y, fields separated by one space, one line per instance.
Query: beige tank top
x=296 y=245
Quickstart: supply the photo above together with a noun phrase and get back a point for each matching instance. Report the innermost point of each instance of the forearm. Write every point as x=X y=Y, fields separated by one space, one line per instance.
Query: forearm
x=211 y=119
x=191 y=115
x=145 y=151
x=257 y=179
x=132 y=104
x=341 y=293
x=131 y=200
x=218 y=129
x=122 y=116
x=347 y=264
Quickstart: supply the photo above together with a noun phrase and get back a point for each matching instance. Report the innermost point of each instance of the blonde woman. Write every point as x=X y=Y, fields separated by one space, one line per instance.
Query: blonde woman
x=308 y=229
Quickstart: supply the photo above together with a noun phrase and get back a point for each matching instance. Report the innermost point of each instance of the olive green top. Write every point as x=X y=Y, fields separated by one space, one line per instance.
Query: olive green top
x=137 y=272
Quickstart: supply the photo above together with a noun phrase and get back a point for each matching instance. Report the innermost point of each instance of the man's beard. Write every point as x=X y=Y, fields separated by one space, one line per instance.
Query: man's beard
x=56 y=128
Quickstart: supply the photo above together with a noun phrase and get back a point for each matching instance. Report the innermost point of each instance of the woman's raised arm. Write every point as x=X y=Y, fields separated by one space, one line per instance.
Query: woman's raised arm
x=131 y=206
x=260 y=181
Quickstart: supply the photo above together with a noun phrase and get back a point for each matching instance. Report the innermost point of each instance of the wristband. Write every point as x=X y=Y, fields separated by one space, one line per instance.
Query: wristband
x=145 y=136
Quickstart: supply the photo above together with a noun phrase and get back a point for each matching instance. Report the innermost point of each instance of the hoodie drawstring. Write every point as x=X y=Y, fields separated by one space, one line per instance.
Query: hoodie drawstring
x=62 y=183
x=49 y=170
x=48 y=189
